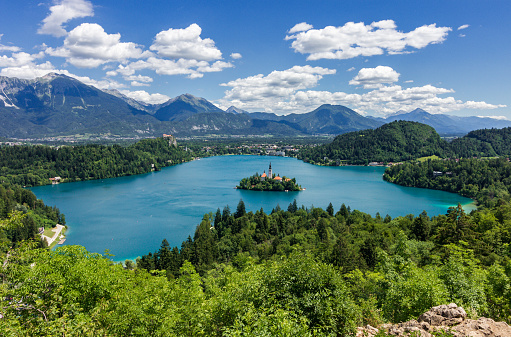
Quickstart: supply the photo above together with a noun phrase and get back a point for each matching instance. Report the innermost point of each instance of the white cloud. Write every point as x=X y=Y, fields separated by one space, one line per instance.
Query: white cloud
x=192 y=68
x=289 y=91
x=19 y=59
x=236 y=56
x=267 y=92
x=144 y=96
x=89 y=46
x=275 y=85
x=501 y=118
x=300 y=27
x=463 y=27
x=8 y=48
x=63 y=11
x=409 y=81
x=138 y=84
x=351 y=69
x=185 y=44
x=139 y=78
x=28 y=71
x=358 y=39
x=375 y=77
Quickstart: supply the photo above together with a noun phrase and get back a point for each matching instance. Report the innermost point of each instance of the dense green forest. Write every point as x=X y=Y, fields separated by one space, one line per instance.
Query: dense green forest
x=392 y=142
x=33 y=165
x=393 y=269
x=256 y=184
x=485 y=180
x=402 y=141
x=21 y=214
x=294 y=272
x=484 y=143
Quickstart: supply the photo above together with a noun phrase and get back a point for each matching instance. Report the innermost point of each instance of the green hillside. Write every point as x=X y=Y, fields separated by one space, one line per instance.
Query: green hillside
x=393 y=142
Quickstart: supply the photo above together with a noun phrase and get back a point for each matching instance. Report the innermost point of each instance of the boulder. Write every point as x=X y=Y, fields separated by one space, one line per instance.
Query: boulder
x=449 y=318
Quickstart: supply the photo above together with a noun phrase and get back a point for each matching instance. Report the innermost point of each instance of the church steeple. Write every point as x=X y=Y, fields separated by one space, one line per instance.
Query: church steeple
x=270 y=175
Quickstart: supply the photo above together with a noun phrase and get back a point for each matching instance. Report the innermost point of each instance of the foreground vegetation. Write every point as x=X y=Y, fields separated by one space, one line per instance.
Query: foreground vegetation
x=300 y=272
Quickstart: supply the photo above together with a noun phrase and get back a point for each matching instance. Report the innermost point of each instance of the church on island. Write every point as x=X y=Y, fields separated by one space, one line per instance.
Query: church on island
x=269 y=182
x=270 y=176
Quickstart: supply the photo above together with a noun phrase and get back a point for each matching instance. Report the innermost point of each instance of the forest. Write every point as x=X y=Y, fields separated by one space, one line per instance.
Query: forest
x=295 y=272
x=485 y=180
x=255 y=183
x=404 y=141
x=30 y=165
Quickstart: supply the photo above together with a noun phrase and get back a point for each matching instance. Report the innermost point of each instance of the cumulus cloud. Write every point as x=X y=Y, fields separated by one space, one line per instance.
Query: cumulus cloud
x=138 y=84
x=300 y=27
x=192 y=68
x=236 y=56
x=276 y=85
x=358 y=39
x=289 y=91
x=19 y=59
x=144 y=96
x=351 y=69
x=63 y=11
x=463 y=27
x=139 y=78
x=185 y=44
x=89 y=46
x=375 y=77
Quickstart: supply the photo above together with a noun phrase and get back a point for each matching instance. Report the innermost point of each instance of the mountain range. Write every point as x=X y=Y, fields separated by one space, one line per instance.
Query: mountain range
x=448 y=125
x=56 y=104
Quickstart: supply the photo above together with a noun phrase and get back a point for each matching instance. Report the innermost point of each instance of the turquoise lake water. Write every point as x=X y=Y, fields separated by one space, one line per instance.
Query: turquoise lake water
x=130 y=216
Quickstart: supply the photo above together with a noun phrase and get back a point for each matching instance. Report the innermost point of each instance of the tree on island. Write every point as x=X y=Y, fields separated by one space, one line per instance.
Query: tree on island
x=270 y=182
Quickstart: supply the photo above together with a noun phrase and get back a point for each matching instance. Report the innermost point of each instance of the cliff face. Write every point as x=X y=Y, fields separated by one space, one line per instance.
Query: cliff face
x=449 y=318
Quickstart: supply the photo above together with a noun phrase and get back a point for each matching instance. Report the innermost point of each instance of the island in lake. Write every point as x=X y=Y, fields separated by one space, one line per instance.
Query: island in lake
x=269 y=182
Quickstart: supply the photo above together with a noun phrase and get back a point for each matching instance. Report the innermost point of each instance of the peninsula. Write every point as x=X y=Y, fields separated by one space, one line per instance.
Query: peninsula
x=269 y=182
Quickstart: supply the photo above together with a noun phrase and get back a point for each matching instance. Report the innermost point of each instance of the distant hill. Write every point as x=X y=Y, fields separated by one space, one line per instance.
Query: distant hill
x=484 y=143
x=448 y=124
x=392 y=142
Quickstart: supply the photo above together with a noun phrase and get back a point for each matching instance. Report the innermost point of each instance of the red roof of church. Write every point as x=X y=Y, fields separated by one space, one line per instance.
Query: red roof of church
x=277 y=178
x=263 y=175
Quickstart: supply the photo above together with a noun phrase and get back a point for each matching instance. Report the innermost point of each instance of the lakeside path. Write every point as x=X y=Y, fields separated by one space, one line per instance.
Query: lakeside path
x=57 y=231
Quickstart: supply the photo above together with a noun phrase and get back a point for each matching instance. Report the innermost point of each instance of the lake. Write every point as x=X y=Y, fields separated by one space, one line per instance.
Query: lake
x=130 y=216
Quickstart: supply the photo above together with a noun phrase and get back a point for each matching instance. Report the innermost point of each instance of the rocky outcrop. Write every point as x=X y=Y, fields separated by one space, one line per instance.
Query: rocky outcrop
x=449 y=318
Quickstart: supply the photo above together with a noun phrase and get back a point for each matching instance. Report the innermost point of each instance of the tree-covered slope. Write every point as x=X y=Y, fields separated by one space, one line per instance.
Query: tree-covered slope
x=28 y=165
x=396 y=141
x=484 y=143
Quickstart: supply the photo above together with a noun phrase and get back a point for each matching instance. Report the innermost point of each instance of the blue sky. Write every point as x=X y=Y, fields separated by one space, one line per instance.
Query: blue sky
x=376 y=57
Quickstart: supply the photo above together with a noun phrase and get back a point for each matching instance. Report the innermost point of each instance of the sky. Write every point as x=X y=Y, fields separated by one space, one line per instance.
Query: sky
x=375 y=57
